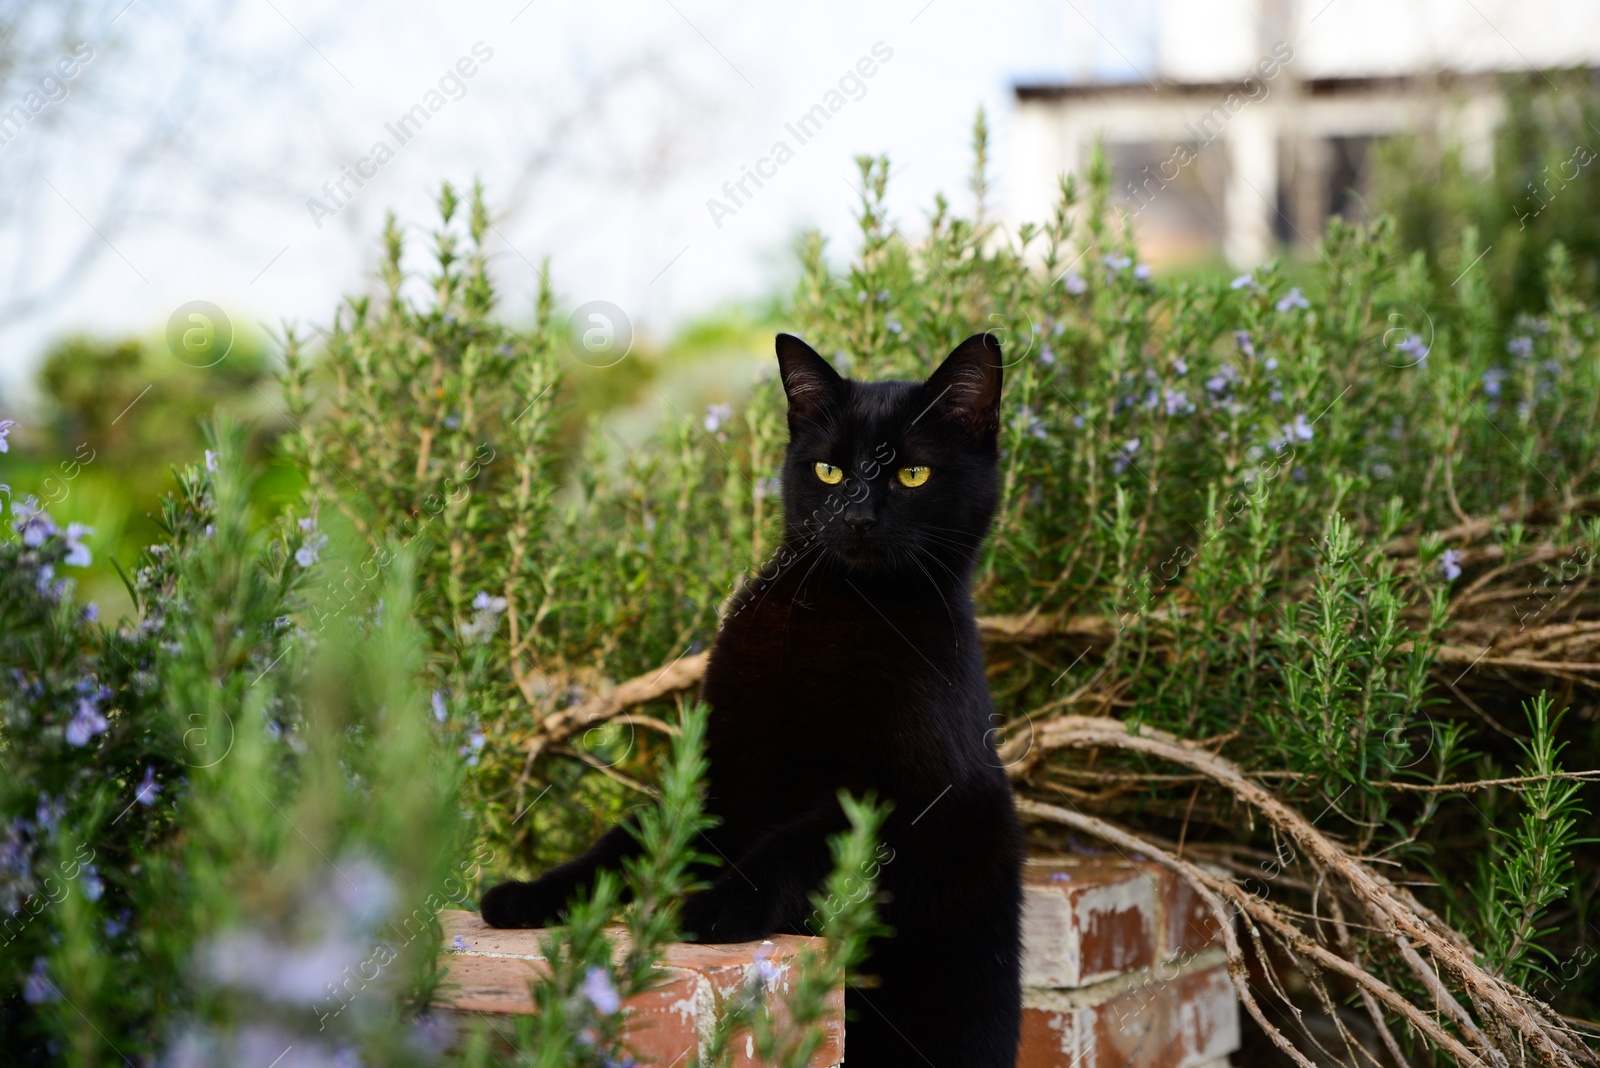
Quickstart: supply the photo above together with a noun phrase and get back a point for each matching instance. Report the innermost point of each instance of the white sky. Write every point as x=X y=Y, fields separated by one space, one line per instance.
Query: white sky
x=231 y=198
x=271 y=97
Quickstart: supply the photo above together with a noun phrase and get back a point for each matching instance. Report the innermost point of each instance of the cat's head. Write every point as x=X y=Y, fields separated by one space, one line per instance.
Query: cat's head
x=888 y=477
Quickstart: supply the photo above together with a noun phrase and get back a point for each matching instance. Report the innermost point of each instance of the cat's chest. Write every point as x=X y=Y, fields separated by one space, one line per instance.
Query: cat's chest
x=845 y=656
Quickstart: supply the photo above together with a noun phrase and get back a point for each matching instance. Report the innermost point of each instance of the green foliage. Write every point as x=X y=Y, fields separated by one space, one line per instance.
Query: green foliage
x=1540 y=190
x=1529 y=867
x=115 y=418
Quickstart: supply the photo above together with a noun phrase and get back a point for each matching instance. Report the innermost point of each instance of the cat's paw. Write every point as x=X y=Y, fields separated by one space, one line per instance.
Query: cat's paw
x=719 y=916
x=536 y=904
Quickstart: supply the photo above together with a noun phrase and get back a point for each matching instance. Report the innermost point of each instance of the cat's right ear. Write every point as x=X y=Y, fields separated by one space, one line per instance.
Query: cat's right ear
x=809 y=381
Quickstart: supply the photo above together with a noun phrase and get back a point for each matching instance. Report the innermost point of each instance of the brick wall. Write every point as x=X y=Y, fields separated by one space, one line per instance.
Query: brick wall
x=489 y=972
x=1123 y=967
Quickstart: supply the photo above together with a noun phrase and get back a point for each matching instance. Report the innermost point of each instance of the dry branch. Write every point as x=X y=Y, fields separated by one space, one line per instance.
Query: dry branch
x=1212 y=889
x=1395 y=914
x=687 y=671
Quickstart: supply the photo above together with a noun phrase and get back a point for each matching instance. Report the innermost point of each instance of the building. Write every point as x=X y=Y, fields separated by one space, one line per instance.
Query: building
x=1239 y=126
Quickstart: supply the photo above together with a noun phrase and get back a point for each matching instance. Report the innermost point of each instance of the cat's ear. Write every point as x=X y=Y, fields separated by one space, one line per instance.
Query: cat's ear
x=966 y=387
x=809 y=381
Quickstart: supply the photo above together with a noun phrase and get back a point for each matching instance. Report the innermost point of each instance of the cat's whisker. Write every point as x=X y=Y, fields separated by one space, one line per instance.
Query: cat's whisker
x=813 y=547
x=954 y=628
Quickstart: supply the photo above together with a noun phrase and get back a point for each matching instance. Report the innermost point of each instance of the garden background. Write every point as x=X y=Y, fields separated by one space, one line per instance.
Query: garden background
x=1291 y=588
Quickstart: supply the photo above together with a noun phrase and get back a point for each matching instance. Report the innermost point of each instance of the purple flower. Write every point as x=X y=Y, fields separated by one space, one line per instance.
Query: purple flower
x=77 y=552
x=1414 y=346
x=1293 y=299
x=487 y=620
x=48 y=813
x=1123 y=457
x=306 y=555
x=458 y=943
x=147 y=790
x=1142 y=272
x=1297 y=430
x=38 y=989
x=1242 y=337
x=1178 y=402
x=85 y=724
x=1243 y=281
x=1118 y=263
x=485 y=603
x=211 y=461
x=1181 y=366
x=473 y=749
x=1060 y=877
x=716 y=416
x=29 y=520
x=440 y=712
x=1074 y=283
x=1492 y=378
x=601 y=994
x=1047 y=355
x=893 y=326
x=5 y=428
x=249 y=960
x=363 y=890
x=1031 y=424
x=1225 y=377
x=1520 y=346
x=91 y=612
x=765 y=970
x=93 y=886
x=43 y=582
x=1450 y=564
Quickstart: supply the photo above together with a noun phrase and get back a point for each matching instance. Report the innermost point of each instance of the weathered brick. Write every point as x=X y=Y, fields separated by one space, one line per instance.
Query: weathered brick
x=666 y=1024
x=1086 y=919
x=1190 y=926
x=1183 y=1022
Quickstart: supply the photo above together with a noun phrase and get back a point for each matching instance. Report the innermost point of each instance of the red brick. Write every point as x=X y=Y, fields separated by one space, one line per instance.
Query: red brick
x=666 y=1023
x=1086 y=919
x=1190 y=925
x=1185 y=1022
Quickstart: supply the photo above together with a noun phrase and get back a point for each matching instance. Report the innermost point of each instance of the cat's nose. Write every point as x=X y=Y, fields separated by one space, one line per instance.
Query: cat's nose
x=859 y=523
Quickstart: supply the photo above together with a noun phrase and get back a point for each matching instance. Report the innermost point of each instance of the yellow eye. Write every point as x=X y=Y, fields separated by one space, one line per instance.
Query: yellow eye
x=829 y=474
x=912 y=476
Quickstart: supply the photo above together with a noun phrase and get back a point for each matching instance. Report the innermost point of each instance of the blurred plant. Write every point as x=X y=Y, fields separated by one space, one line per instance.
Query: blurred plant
x=1541 y=189
x=271 y=880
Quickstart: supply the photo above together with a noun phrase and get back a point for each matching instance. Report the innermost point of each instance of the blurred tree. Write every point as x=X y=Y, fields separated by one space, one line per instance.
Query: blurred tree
x=1544 y=187
x=115 y=418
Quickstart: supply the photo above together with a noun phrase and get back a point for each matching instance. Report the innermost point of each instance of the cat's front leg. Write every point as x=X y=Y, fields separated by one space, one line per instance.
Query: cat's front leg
x=767 y=888
x=725 y=912
x=542 y=903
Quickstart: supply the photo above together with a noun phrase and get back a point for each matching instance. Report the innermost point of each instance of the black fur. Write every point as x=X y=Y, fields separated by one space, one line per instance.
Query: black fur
x=852 y=663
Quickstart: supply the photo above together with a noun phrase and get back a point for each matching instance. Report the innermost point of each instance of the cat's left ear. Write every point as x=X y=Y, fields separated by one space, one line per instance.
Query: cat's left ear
x=809 y=381
x=967 y=385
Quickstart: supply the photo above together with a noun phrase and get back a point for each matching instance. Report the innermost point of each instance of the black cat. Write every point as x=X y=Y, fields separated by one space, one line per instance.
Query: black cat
x=852 y=663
